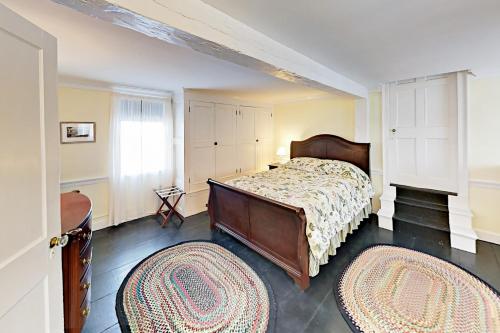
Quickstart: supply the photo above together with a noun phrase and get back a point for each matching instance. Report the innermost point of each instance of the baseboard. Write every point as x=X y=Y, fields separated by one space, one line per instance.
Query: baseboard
x=100 y=222
x=488 y=236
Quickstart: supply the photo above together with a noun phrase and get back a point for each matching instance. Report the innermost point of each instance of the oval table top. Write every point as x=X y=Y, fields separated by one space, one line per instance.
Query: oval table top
x=75 y=208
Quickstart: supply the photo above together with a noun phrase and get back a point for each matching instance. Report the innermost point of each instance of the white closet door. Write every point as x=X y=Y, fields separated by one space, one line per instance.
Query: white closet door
x=225 y=150
x=423 y=138
x=202 y=136
x=264 y=133
x=246 y=141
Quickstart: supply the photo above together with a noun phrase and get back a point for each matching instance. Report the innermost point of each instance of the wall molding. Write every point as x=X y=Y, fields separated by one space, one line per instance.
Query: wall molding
x=320 y=97
x=80 y=83
x=100 y=222
x=488 y=236
x=483 y=183
x=473 y=182
x=83 y=181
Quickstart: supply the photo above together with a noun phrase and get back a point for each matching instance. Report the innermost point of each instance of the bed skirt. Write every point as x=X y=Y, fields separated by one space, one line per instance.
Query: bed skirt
x=336 y=240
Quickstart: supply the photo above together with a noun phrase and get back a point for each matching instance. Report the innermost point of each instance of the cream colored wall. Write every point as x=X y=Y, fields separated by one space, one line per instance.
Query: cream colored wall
x=300 y=120
x=83 y=161
x=303 y=119
x=484 y=156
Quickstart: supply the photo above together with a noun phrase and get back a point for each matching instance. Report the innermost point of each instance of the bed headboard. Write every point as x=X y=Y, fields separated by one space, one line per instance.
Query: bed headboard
x=332 y=147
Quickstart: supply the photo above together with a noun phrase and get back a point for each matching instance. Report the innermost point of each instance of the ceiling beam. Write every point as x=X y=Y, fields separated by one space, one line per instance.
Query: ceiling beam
x=200 y=27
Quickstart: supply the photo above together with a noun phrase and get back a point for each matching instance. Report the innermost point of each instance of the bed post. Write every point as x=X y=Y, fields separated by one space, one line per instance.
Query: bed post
x=211 y=213
x=303 y=251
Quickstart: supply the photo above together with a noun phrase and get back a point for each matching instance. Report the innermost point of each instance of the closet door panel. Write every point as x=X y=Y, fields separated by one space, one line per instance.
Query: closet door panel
x=246 y=157
x=264 y=124
x=246 y=140
x=225 y=151
x=202 y=167
x=264 y=134
x=246 y=125
x=202 y=148
x=201 y=120
x=225 y=124
x=225 y=162
x=265 y=154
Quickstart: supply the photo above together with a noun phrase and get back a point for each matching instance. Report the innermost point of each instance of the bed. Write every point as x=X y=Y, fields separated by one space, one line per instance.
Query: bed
x=257 y=210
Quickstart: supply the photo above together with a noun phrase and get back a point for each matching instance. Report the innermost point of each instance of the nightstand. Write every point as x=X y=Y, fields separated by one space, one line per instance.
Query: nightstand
x=274 y=165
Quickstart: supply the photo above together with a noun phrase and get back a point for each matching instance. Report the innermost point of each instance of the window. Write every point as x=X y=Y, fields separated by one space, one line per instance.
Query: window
x=141 y=155
x=142 y=131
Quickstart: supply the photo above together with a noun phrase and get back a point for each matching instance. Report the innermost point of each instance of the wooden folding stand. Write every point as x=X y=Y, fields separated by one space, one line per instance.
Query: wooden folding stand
x=164 y=194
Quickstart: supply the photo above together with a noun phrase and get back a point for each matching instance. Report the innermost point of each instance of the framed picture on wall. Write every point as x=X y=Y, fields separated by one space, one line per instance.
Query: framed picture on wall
x=77 y=132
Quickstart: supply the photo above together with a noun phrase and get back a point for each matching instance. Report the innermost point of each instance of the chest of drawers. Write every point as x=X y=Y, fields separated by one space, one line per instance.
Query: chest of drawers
x=76 y=220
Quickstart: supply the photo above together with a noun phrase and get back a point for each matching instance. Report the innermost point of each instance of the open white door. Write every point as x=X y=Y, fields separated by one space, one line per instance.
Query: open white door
x=30 y=276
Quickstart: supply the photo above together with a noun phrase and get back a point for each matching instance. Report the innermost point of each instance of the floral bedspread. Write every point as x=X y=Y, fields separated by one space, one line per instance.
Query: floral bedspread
x=332 y=194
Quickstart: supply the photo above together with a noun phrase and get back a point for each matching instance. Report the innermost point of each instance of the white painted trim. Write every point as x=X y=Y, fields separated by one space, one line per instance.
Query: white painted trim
x=83 y=181
x=100 y=222
x=142 y=92
x=387 y=208
x=473 y=182
x=312 y=98
x=388 y=196
x=80 y=83
x=488 y=236
x=219 y=97
x=483 y=183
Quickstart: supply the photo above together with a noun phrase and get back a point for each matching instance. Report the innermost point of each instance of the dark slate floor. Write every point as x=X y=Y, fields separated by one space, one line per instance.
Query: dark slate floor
x=118 y=249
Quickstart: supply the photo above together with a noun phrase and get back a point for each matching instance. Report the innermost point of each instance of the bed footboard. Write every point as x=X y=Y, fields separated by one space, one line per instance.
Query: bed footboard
x=275 y=230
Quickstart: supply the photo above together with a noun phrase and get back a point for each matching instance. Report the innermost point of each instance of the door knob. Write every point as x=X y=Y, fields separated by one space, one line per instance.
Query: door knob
x=59 y=241
x=393 y=130
x=215 y=143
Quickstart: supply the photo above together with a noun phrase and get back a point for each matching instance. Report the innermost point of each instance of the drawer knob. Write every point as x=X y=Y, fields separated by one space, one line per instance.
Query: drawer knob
x=86 y=261
x=86 y=285
x=86 y=312
x=86 y=235
x=74 y=232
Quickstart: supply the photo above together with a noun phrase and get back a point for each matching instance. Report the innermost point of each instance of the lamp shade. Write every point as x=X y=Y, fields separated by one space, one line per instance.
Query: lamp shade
x=281 y=151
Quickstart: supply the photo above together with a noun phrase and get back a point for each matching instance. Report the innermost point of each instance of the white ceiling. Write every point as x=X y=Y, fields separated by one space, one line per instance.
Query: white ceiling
x=375 y=41
x=94 y=50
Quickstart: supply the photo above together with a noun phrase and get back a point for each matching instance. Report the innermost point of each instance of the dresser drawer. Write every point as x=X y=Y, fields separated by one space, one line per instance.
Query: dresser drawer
x=84 y=310
x=85 y=236
x=76 y=222
x=85 y=260
x=85 y=285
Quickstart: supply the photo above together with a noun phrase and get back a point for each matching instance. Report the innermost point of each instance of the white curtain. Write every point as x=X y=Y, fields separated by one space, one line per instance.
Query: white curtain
x=141 y=155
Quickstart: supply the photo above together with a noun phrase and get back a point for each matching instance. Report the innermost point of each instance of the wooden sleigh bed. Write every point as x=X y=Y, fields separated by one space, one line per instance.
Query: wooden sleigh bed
x=274 y=229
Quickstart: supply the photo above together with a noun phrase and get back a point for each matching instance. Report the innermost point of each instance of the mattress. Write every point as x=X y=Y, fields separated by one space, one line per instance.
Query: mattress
x=335 y=195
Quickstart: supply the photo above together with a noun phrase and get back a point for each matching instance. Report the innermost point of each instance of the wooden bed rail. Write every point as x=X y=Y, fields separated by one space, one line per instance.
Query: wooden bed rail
x=275 y=230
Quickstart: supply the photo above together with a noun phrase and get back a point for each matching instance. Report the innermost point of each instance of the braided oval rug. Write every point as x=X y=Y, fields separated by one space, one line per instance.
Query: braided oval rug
x=194 y=287
x=393 y=289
